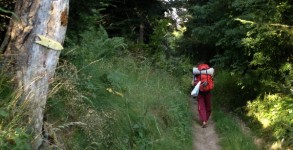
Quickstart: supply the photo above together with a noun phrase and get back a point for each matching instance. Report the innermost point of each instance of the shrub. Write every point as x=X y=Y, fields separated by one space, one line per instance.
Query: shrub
x=275 y=113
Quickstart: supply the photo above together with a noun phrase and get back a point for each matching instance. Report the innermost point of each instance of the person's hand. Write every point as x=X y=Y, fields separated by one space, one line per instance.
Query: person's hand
x=204 y=84
x=192 y=83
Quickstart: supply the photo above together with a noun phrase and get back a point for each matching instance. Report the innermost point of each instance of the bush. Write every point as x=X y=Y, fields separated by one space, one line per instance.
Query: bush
x=232 y=91
x=274 y=112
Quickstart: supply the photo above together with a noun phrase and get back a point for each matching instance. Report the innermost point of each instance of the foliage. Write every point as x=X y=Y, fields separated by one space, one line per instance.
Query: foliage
x=104 y=98
x=126 y=20
x=253 y=41
x=159 y=36
x=96 y=44
x=160 y=122
x=14 y=139
x=12 y=134
x=271 y=52
x=274 y=112
x=6 y=11
x=84 y=17
x=9 y=12
x=120 y=102
x=243 y=36
x=232 y=91
x=127 y=106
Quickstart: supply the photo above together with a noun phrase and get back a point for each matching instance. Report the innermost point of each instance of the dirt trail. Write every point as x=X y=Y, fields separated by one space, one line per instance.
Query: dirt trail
x=203 y=138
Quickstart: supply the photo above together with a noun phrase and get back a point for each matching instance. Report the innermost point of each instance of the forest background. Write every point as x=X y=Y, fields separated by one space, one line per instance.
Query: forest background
x=124 y=77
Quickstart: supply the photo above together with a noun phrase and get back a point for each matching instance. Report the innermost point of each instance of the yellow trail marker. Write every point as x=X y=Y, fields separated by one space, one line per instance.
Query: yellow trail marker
x=49 y=43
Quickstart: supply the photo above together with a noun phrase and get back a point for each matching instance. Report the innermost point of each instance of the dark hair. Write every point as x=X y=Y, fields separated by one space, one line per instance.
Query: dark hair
x=201 y=62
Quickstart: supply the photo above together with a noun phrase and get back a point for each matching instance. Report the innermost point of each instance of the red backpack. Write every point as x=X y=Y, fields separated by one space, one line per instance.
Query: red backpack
x=205 y=78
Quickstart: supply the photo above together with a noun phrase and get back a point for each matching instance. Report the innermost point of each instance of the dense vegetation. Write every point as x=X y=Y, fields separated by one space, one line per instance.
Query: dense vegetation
x=253 y=41
x=123 y=80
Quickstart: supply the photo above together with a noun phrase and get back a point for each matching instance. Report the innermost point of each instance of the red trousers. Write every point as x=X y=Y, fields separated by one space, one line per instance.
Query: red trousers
x=204 y=106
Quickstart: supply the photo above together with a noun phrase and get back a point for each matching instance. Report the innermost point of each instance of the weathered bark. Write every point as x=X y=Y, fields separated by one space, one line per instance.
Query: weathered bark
x=33 y=65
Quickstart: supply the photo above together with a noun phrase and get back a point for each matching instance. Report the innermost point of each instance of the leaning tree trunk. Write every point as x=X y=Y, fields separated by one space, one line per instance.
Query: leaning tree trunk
x=33 y=64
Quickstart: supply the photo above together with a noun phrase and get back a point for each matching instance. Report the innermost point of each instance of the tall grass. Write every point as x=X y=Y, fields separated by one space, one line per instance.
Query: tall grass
x=12 y=134
x=126 y=106
x=233 y=136
x=119 y=102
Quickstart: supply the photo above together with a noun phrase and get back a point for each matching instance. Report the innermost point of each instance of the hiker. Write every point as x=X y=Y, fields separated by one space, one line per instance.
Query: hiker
x=204 y=74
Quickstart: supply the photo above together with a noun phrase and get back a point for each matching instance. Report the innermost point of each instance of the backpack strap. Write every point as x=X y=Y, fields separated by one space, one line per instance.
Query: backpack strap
x=207 y=75
x=200 y=75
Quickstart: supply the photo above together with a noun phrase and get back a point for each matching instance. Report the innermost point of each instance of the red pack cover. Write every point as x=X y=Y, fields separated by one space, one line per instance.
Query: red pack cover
x=207 y=82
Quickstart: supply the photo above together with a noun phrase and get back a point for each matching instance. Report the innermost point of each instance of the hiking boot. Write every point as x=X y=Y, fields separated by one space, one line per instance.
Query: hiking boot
x=204 y=124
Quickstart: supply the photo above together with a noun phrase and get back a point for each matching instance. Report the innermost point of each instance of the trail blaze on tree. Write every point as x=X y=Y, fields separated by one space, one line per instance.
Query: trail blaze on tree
x=33 y=65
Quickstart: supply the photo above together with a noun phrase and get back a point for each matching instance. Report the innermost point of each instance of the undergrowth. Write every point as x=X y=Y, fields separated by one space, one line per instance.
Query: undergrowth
x=269 y=116
x=12 y=135
x=123 y=106
x=274 y=115
x=232 y=135
x=116 y=101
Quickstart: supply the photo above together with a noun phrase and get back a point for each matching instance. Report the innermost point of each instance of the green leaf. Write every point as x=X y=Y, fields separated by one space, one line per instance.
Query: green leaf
x=10 y=12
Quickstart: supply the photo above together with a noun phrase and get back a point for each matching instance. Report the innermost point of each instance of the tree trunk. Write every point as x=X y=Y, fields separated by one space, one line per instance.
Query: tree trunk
x=141 y=33
x=33 y=65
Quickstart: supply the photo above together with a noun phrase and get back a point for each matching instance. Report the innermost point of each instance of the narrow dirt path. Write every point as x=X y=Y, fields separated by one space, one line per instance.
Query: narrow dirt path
x=203 y=138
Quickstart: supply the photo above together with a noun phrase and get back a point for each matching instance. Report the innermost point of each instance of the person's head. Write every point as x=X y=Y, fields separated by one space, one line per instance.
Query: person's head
x=201 y=62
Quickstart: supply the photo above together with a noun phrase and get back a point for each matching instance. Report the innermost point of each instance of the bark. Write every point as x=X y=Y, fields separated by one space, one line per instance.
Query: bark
x=33 y=65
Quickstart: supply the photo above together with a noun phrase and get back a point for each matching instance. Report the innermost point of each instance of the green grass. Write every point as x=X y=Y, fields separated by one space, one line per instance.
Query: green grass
x=12 y=134
x=232 y=137
x=125 y=105
x=228 y=95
